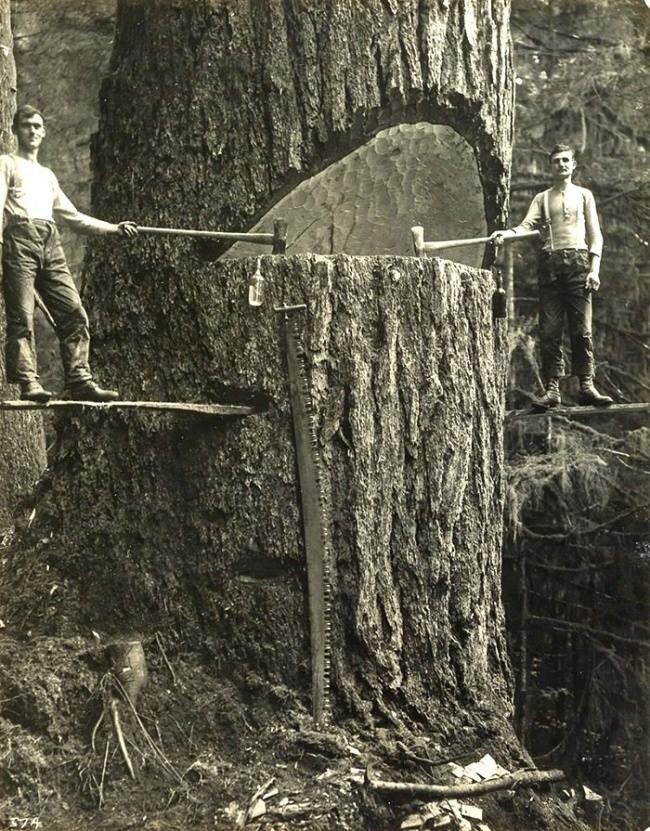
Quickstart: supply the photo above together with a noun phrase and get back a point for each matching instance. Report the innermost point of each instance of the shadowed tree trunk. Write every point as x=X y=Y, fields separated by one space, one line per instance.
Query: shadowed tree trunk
x=211 y=113
x=22 y=448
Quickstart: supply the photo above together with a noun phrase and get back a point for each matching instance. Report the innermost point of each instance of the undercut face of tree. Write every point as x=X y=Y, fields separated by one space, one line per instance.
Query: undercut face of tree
x=22 y=445
x=212 y=113
x=366 y=203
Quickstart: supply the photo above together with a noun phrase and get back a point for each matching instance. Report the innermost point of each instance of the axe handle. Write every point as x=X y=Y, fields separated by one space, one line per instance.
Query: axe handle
x=190 y=232
x=421 y=247
x=278 y=239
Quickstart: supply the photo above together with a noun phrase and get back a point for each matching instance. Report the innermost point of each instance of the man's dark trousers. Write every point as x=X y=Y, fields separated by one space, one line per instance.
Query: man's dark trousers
x=33 y=258
x=562 y=276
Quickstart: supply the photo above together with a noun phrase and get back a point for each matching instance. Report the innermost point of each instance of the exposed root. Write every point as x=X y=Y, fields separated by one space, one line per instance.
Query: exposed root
x=164 y=761
x=101 y=784
x=115 y=717
x=95 y=729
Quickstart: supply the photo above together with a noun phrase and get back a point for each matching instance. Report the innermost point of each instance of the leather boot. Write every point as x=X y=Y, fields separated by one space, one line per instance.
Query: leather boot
x=589 y=395
x=90 y=391
x=34 y=391
x=551 y=397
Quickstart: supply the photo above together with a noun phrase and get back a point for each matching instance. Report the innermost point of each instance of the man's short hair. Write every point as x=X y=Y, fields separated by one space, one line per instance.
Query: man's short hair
x=23 y=112
x=562 y=148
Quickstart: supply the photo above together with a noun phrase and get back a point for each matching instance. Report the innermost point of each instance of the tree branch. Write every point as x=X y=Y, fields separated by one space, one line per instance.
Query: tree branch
x=587 y=630
x=513 y=780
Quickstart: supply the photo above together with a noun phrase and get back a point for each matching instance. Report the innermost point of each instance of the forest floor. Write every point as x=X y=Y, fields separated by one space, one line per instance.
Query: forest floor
x=209 y=754
x=216 y=752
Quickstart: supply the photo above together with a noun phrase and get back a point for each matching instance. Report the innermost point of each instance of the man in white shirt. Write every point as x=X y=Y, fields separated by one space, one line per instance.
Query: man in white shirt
x=568 y=273
x=33 y=259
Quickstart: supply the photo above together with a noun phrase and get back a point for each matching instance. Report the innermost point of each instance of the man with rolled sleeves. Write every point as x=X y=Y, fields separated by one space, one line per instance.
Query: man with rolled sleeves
x=33 y=259
x=568 y=270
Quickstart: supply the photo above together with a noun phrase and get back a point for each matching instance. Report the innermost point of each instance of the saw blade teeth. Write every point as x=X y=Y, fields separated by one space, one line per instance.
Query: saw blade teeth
x=306 y=421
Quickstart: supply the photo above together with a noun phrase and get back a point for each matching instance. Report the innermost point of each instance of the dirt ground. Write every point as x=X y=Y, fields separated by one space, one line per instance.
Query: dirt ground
x=202 y=748
x=215 y=750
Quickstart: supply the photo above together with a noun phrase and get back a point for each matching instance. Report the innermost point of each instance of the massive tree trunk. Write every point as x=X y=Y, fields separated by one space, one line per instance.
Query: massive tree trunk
x=22 y=447
x=211 y=113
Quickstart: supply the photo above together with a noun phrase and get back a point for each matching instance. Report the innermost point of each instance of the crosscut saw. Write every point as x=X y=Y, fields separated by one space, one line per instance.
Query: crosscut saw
x=315 y=511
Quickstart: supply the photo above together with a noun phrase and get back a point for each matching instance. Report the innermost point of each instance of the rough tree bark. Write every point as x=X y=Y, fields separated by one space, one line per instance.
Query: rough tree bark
x=211 y=112
x=22 y=445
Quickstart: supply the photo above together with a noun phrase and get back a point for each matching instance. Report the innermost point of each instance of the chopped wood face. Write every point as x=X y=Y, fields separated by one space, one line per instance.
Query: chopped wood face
x=365 y=203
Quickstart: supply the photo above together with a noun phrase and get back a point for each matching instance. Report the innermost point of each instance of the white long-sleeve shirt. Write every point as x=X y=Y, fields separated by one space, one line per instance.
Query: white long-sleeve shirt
x=28 y=190
x=573 y=217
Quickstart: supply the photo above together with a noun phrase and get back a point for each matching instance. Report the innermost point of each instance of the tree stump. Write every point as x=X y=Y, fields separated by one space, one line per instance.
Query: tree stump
x=194 y=525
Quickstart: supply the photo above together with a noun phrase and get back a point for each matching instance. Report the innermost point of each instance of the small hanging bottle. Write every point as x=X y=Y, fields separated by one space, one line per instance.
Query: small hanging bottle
x=256 y=286
x=499 y=299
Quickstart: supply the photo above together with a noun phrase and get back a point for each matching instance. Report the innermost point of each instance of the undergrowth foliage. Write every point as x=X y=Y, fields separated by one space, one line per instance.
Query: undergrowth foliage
x=577 y=553
x=577 y=563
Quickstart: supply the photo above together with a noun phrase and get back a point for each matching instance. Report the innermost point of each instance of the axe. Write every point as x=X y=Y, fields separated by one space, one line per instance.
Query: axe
x=278 y=239
x=421 y=247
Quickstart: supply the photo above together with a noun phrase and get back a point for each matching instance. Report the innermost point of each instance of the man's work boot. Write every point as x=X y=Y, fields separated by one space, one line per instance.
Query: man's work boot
x=34 y=391
x=89 y=391
x=551 y=397
x=589 y=395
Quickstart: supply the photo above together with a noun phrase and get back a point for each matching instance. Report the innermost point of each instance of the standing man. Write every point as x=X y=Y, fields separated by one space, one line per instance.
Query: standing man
x=569 y=264
x=33 y=259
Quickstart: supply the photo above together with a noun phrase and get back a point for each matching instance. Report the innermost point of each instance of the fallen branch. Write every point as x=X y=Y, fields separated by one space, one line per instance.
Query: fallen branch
x=512 y=780
x=164 y=761
x=165 y=659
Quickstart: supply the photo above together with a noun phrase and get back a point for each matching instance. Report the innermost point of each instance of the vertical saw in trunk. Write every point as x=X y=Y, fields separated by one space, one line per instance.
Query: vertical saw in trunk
x=314 y=512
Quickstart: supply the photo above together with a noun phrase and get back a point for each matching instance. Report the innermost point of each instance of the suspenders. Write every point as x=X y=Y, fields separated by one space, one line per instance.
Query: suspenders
x=546 y=215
